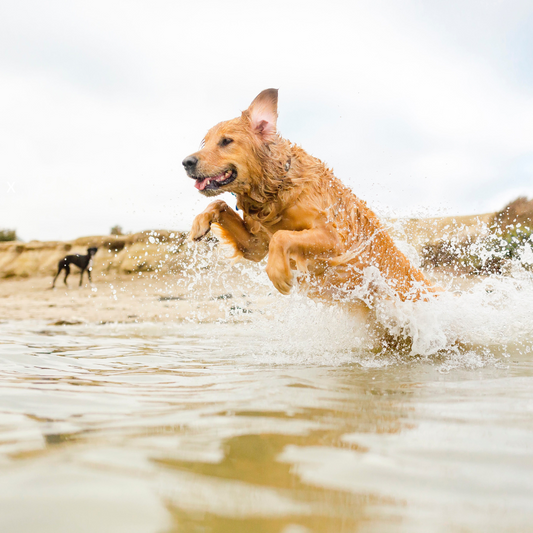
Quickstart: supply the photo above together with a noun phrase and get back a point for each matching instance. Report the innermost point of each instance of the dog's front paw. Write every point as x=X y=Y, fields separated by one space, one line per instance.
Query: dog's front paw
x=283 y=285
x=280 y=278
x=202 y=222
x=200 y=226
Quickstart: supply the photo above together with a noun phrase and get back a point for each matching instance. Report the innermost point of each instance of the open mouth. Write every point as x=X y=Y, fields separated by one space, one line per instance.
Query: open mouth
x=208 y=183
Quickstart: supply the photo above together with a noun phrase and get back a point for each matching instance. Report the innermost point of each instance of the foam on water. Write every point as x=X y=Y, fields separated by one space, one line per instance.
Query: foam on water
x=486 y=322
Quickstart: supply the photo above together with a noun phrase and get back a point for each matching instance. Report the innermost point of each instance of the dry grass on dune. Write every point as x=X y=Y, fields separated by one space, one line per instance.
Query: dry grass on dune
x=518 y=213
x=505 y=238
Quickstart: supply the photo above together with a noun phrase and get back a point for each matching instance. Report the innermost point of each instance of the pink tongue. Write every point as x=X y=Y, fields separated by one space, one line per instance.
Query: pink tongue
x=200 y=185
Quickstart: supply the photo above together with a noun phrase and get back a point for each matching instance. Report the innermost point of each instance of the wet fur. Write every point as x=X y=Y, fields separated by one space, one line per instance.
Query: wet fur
x=296 y=211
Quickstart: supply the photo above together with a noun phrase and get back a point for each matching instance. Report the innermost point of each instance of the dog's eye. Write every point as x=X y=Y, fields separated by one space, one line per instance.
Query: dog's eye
x=225 y=141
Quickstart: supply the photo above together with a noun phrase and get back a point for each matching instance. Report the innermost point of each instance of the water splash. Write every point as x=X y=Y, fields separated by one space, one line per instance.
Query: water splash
x=478 y=320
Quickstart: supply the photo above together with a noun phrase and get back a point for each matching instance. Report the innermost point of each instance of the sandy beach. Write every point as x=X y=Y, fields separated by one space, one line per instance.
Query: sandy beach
x=120 y=300
x=124 y=299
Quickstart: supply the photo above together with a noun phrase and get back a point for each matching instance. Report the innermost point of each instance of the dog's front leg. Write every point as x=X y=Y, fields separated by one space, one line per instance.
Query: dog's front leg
x=306 y=244
x=236 y=233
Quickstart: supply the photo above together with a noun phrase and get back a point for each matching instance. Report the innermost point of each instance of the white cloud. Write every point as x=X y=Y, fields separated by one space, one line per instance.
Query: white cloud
x=101 y=101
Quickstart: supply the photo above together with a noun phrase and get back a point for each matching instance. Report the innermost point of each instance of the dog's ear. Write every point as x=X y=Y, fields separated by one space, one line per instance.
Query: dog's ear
x=263 y=114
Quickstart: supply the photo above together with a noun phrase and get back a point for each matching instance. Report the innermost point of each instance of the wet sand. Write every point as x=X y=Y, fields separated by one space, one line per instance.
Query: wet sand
x=125 y=300
x=145 y=297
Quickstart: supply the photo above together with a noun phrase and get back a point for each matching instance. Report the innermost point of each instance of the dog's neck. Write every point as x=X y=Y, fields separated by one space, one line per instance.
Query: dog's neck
x=283 y=171
x=275 y=175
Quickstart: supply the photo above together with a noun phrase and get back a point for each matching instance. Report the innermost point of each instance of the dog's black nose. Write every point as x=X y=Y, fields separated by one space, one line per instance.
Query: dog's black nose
x=190 y=162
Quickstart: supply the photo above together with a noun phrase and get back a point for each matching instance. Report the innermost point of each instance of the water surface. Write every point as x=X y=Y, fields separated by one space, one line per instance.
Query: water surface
x=245 y=426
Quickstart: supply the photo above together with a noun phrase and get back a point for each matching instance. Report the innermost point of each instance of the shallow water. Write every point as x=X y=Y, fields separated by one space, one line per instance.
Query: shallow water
x=287 y=420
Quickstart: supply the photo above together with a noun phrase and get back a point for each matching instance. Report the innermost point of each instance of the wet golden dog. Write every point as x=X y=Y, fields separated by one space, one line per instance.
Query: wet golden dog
x=294 y=209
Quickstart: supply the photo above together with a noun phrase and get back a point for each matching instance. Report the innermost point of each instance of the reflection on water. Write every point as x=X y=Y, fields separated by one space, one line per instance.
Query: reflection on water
x=223 y=427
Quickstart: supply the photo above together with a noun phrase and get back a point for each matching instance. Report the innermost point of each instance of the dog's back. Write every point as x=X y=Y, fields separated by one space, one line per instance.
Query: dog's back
x=365 y=241
x=74 y=259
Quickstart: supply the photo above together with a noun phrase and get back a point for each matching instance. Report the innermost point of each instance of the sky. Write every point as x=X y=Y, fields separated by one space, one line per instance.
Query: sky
x=424 y=108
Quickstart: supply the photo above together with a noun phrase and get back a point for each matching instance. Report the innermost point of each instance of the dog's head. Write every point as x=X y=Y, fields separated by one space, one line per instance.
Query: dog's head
x=92 y=250
x=232 y=154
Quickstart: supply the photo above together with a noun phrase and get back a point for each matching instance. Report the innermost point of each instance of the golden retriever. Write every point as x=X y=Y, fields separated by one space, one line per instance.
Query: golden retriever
x=294 y=209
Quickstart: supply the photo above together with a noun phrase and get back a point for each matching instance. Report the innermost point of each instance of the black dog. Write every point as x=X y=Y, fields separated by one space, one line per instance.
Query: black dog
x=85 y=262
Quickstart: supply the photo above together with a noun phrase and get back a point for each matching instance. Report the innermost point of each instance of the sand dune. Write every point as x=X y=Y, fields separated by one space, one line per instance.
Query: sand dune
x=148 y=251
